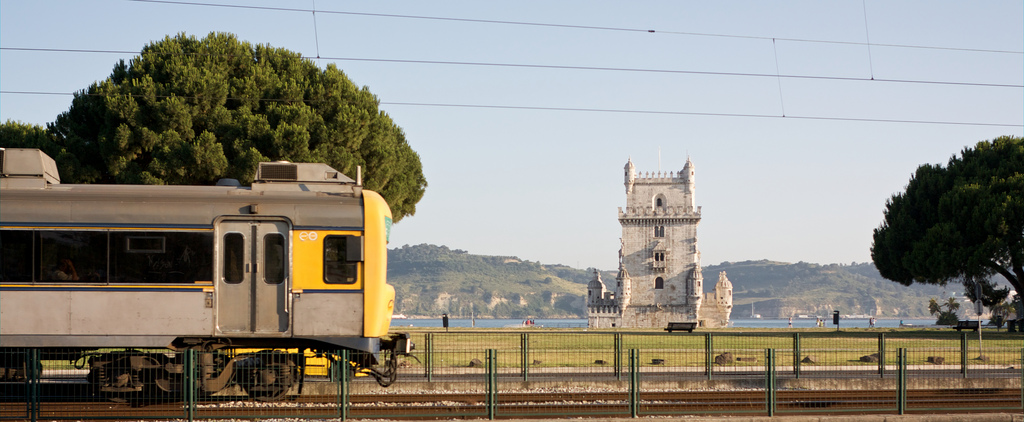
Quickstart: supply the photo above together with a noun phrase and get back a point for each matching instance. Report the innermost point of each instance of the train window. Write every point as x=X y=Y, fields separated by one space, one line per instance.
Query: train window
x=161 y=257
x=145 y=244
x=72 y=256
x=84 y=256
x=339 y=265
x=16 y=256
x=234 y=257
x=273 y=258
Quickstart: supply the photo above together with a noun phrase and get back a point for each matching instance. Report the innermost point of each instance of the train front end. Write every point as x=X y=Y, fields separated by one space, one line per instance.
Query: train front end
x=378 y=295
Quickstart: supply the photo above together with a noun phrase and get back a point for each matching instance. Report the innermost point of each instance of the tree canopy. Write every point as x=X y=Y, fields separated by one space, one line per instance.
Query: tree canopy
x=191 y=111
x=962 y=222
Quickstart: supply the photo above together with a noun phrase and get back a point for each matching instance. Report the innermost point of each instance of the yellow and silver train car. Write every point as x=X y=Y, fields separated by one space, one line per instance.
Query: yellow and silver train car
x=296 y=261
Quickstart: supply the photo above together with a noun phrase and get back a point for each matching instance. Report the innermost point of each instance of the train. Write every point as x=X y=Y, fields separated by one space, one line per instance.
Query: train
x=125 y=279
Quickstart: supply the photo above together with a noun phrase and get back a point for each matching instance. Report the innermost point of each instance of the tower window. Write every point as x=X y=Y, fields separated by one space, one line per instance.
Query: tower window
x=659 y=283
x=659 y=231
x=659 y=202
x=659 y=256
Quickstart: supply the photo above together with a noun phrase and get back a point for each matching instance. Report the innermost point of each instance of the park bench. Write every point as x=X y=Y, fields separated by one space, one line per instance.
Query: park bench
x=967 y=325
x=681 y=326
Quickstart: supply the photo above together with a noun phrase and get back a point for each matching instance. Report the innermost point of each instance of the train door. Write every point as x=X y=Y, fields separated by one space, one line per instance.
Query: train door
x=252 y=283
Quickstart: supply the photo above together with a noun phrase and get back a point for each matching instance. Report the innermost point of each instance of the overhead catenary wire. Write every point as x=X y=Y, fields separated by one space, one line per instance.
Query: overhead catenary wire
x=707 y=114
x=567 y=67
x=776 y=75
x=782 y=101
x=576 y=109
x=316 y=33
x=867 y=37
x=570 y=26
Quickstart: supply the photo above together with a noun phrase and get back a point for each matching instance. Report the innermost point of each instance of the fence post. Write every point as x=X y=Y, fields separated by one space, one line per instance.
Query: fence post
x=524 y=341
x=901 y=382
x=618 y=356
x=492 y=383
x=769 y=381
x=1022 y=378
x=634 y=383
x=963 y=353
x=881 y=355
x=343 y=386
x=190 y=384
x=33 y=372
x=709 y=350
x=428 y=358
x=796 y=355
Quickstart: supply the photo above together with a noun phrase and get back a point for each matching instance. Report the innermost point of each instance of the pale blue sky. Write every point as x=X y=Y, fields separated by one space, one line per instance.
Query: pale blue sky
x=545 y=185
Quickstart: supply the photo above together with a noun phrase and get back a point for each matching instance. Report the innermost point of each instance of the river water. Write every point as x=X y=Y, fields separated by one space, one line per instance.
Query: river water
x=736 y=322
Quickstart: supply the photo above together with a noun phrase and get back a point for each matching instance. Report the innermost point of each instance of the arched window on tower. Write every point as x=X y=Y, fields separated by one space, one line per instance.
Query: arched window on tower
x=659 y=231
x=658 y=265
x=660 y=203
x=659 y=283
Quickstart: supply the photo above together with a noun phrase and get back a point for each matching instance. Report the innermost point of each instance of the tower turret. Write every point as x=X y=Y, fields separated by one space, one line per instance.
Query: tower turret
x=595 y=290
x=630 y=175
x=624 y=287
x=690 y=182
x=695 y=282
x=723 y=291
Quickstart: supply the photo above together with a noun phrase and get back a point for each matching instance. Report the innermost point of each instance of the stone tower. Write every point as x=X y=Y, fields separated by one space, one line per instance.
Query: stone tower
x=659 y=277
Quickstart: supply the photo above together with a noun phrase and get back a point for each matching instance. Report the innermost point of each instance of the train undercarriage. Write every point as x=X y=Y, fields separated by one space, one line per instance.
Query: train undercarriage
x=262 y=374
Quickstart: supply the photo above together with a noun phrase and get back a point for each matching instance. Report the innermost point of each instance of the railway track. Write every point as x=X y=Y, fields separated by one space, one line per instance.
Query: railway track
x=542 y=404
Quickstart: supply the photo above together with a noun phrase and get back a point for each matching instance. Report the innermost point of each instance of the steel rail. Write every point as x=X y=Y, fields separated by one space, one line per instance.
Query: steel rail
x=527 y=404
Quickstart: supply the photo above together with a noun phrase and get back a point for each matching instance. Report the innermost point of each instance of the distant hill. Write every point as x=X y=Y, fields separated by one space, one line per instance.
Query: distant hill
x=431 y=280
x=780 y=290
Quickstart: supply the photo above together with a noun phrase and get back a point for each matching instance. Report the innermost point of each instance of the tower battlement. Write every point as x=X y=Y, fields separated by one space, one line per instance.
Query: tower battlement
x=667 y=212
x=662 y=177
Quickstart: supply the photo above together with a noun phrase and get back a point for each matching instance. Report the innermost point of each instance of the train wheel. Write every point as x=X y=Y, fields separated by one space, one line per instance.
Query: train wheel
x=126 y=376
x=267 y=375
x=14 y=366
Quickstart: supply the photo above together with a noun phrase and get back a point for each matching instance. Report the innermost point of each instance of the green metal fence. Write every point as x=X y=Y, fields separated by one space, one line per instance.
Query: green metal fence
x=709 y=355
x=502 y=374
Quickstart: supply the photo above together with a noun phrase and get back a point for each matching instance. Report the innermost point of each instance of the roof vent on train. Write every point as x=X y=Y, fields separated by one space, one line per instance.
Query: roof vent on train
x=27 y=168
x=283 y=171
